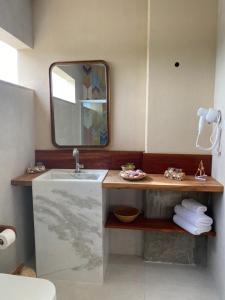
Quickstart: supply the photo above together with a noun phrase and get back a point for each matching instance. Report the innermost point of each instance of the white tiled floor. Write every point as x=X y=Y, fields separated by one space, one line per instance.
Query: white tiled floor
x=129 y=278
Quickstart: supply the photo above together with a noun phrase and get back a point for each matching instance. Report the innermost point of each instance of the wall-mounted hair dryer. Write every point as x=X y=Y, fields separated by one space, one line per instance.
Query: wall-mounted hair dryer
x=210 y=116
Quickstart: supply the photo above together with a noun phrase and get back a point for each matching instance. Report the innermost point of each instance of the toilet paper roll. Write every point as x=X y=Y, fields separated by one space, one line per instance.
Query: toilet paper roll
x=7 y=237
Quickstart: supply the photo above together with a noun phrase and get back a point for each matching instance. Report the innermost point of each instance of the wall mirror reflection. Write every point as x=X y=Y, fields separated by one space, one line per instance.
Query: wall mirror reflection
x=79 y=96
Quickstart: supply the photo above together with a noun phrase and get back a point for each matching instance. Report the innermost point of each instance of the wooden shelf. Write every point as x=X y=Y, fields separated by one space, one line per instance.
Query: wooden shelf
x=158 y=182
x=25 y=179
x=141 y=223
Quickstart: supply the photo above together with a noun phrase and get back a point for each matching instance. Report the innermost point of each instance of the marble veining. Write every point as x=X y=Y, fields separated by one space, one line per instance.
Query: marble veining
x=69 y=233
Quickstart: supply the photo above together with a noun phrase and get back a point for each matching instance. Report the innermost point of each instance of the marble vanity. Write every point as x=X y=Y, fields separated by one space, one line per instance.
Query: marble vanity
x=69 y=218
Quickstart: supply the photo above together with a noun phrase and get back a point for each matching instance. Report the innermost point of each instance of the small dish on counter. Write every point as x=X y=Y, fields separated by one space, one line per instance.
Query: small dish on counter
x=133 y=175
x=126 y=214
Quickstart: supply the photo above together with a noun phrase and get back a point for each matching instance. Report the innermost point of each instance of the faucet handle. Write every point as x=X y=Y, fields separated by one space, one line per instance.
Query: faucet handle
x=75 y=152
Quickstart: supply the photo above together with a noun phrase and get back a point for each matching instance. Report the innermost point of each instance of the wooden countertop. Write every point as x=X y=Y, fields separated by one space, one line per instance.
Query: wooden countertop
x=159 y=182
x=25 y=179
x=152 y=182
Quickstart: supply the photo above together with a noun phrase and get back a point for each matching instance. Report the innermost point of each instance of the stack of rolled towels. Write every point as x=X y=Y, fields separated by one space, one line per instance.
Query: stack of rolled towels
x=190 y=215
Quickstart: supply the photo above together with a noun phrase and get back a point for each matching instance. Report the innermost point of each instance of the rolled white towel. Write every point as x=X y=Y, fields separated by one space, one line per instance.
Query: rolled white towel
x=193 y=218
x=190 y=227
x=194 y=206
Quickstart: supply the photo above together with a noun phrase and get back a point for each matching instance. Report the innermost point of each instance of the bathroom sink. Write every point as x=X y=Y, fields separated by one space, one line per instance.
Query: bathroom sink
x=69 y=216
x=70 y=175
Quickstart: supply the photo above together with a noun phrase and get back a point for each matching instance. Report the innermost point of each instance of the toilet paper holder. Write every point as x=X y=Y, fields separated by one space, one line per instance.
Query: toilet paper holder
x=4 y=227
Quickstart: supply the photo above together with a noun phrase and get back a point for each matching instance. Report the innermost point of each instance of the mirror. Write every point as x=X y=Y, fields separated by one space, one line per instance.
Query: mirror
x=79 y=96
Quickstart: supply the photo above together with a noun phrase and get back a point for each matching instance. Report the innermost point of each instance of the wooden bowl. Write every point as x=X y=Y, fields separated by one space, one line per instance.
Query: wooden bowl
x=126 y=214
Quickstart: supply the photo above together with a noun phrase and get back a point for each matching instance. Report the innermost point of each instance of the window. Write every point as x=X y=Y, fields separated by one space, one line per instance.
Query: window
x=63 y=85
x=8 y=63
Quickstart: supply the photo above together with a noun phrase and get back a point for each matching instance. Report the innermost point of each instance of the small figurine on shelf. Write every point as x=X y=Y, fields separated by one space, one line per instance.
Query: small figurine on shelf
x=175 y=174
x=40 y=167
x=200 y=174
x=128 y=167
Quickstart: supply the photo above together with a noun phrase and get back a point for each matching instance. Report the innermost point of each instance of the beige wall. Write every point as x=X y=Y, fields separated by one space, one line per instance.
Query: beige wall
x=184 y=31
x=115 y=31
x=217 y=246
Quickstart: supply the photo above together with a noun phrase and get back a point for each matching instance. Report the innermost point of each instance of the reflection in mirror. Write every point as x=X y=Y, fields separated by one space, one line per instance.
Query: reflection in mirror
x=79 y=104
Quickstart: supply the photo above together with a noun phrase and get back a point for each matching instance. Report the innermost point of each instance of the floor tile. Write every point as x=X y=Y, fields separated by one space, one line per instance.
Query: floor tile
x=170 y=281
x=130 y=278
x=125 y=268
x=110 y=290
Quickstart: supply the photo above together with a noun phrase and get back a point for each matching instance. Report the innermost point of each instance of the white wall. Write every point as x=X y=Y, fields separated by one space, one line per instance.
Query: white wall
x=115 y=31
x=217 y=245
x=16 y=153
x=16 y=20
x=183 y=31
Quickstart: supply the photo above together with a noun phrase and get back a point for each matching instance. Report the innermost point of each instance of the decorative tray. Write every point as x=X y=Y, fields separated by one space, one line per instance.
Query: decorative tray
x=133 y=175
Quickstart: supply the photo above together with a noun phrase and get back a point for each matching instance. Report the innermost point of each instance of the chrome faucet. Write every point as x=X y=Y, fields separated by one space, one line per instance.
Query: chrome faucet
x=76 y=156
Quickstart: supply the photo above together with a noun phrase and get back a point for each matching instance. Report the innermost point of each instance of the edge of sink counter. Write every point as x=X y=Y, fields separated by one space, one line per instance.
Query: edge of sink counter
x=69 y=172
x=26 y=179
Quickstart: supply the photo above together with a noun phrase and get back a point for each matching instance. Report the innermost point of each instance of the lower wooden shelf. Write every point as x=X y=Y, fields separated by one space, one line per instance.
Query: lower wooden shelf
x=141 y=223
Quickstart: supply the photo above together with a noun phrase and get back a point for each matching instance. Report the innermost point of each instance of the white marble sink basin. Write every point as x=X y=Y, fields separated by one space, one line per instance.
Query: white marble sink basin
x=69 y=217
x=70 y=175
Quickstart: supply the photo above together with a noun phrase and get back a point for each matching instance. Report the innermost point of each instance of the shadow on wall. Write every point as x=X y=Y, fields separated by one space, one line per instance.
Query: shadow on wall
x=16 y=153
